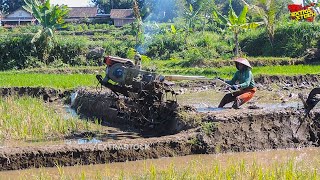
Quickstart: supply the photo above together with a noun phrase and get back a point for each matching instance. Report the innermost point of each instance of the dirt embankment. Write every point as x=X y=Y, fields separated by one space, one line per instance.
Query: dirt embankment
x=47 y=94
x=68 y=155
x=309 y=79
x=242 y=130
x=262 y=81
x=261 y=129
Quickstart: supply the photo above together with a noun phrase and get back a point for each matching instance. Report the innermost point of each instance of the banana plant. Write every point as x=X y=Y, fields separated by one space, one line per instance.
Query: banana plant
x=50 y=18
x=235 y=23
x=191 y=16
x=267 y=9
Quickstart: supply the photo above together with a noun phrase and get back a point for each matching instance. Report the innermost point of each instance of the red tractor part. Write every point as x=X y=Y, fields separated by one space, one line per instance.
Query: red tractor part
x=111 y=60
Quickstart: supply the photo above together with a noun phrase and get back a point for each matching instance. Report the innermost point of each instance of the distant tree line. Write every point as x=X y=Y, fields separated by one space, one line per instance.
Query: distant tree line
x=158 y=10
x=8 y=6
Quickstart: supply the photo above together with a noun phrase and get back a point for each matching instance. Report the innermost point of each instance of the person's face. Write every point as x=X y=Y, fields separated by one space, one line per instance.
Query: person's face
x=239 y=66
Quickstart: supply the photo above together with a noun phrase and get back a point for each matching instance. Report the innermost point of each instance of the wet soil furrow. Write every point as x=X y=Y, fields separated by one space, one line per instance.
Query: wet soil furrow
x=237 y=131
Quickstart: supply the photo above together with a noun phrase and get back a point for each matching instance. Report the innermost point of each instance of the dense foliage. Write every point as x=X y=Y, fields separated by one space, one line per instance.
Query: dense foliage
x=193 y=38
x=291 y=39
x=8 y=6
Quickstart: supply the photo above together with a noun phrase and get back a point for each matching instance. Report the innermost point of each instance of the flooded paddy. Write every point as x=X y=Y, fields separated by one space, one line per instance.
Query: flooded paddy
x=277 y=123
x=307 y=159
x=208 y=100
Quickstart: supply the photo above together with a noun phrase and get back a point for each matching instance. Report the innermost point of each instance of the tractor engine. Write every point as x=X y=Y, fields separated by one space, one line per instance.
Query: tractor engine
x=122 y=77
x=145 y=92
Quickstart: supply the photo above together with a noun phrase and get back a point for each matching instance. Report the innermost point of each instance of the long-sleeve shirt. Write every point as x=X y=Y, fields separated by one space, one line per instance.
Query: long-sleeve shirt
x=244 y=78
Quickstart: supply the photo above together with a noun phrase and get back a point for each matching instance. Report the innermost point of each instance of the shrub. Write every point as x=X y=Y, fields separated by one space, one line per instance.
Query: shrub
x=291 y=39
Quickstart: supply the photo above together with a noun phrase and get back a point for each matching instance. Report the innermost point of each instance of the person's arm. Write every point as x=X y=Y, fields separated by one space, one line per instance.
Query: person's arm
x=234 y=79
x=247 y=79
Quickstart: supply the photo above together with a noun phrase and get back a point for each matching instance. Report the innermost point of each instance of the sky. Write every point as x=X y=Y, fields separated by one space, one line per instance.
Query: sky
x=72 y=3
x=297 y=1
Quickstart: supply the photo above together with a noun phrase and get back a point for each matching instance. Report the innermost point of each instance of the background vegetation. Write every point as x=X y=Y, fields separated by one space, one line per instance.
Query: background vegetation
x=190 y=37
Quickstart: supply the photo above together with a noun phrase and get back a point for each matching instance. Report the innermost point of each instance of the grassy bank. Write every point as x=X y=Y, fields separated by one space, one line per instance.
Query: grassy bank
x=29 y=118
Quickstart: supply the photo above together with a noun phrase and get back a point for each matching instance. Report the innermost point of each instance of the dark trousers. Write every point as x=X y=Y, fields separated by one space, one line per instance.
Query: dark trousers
x=312 y=100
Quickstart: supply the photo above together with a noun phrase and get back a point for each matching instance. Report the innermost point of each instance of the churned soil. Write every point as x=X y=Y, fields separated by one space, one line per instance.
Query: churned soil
x=155 y=120
x=229 y=131
x=233 y=130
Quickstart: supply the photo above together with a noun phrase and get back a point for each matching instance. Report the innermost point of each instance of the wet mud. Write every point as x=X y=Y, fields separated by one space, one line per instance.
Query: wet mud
x=263 y=82
x=156 y=120
x=298 y=80
x=185 y=131
x=232 y=131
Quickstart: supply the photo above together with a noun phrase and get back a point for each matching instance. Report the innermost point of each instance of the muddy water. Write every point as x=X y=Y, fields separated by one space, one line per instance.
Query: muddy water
x=208 y=100
x=110 y=135
x=309 y=157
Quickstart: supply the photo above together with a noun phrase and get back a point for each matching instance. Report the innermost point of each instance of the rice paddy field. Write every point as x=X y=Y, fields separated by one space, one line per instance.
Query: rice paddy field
x=30 y=119
x=75 y=78
x=283 y=164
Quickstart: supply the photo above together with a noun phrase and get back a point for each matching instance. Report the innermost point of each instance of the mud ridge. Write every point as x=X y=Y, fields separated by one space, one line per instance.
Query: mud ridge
x=309 y=79
x=266 y=81
x=47 y=94
x=69 y=155
x=249 y=130
x=236 y=131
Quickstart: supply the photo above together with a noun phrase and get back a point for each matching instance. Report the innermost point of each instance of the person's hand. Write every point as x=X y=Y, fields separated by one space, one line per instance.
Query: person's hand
x=221 y=79
x=234 y=87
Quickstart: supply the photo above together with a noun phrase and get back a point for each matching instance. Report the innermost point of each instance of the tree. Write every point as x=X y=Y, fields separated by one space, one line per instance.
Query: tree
x=191 y=17
x=136 y=12
x=235 y=23
x=223 y=6
x=267 y=9
x=105 y=6
x=8 y=6
x=206 y=7
x=49 y=17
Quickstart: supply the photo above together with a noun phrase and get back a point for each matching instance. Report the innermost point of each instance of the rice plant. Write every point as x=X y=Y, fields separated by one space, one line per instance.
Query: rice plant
x=27 y=118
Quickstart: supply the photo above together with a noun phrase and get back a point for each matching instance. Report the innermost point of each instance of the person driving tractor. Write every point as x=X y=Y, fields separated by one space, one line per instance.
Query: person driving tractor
x=242 y=82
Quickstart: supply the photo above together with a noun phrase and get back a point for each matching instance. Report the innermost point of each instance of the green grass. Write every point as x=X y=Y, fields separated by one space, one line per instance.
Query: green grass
x=68 y=81
x=29 y=118
x=228 y=71
x=63 y=81
x=63 y=70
